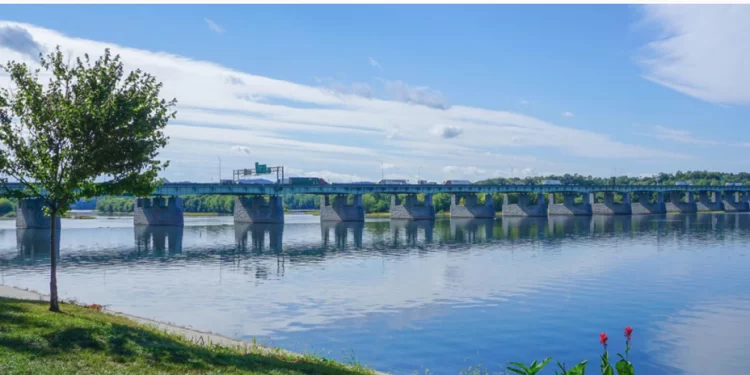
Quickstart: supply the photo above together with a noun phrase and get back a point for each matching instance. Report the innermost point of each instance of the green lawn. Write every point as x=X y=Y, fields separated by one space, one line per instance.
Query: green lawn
x=84 y=341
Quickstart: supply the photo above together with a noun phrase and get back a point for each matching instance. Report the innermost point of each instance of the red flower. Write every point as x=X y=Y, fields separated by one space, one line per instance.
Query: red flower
x=628 y=333
x=603 y=339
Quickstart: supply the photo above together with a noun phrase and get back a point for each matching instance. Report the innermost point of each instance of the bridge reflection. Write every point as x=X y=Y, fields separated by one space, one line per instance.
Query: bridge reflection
x=341 y=232
x=158 y=238
x=34 y=244
x=393 y=237
x=256 y=234
x=411 y=230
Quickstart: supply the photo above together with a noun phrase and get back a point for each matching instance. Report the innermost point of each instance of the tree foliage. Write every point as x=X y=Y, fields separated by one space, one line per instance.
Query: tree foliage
x=90 y=122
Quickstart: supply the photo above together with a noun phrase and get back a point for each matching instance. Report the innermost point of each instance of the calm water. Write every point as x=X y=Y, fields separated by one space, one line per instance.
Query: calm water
x=442 y=296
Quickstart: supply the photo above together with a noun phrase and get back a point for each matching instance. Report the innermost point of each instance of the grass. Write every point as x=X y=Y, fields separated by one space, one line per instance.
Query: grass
x=85 y=341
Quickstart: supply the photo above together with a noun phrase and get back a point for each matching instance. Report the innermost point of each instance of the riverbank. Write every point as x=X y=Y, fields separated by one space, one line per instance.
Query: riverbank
x=92 y=340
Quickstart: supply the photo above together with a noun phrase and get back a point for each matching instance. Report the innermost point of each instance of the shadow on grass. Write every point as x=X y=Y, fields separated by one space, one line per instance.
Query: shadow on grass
x=77 y=331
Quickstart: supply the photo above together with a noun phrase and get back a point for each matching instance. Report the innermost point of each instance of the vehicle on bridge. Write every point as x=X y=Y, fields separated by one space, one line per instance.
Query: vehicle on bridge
x=305 y=181
x=734 y=184
x=457 y=182
x=425 y=182
x=393 y=182
x=683 y=183
x=355 y=183
x=551 y=182
x=227 y=182
x=255 y=181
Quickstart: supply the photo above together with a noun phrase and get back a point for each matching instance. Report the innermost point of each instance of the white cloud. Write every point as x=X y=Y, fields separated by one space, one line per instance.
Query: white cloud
x=214 y=26
x=421 y=95
x=680 y=136
x=523 y=102
x=355 y=88
x=464 y=172
x=335 y=177
x=446 y=131
x=20 y=40
x=702 y=51
x=286 y=123
x=374 y=63
x=567 y=114
x=241 y=149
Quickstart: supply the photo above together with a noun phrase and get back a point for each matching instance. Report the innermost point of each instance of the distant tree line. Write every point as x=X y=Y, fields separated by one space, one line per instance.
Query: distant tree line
x=8 y=207
x=381 y=202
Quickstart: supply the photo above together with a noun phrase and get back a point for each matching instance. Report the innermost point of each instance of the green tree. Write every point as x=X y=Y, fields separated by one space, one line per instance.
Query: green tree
x=89 y=121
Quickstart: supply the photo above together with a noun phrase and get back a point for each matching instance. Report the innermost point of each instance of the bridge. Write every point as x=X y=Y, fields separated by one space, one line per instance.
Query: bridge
x=262 y=203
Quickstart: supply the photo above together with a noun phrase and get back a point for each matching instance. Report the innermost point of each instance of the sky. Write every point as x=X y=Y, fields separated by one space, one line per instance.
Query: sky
x=358 y=92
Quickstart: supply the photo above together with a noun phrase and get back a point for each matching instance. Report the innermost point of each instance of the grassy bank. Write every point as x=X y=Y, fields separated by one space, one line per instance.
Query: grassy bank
x=85 y=341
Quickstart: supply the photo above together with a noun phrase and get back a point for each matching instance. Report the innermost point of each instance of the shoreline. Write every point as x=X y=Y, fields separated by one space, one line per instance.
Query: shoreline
x=190 y=334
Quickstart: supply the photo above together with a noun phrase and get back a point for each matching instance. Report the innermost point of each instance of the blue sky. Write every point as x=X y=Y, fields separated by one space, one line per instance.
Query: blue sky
x=436 y=91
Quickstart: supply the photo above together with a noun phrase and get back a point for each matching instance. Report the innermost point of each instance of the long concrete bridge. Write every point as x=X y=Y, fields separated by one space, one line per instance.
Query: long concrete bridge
x=262 y=203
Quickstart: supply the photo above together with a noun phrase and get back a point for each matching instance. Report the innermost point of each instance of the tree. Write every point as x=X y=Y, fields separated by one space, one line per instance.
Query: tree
x=89 y=122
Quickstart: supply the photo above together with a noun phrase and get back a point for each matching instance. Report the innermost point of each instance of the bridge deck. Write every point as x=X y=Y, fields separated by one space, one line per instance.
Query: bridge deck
x=181 y=189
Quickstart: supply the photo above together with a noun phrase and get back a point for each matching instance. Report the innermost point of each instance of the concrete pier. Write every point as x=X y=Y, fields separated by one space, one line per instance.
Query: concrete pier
x=256 y=209
x=677 y=205
x=609 y=207
x=569 y=207
x=707 y=202
x=412 y=209
x=523 y=207
x=471 y=208
x=30 y=215
x=644 y=206
x=155 y=211
x=735 y=202
x=340 y=210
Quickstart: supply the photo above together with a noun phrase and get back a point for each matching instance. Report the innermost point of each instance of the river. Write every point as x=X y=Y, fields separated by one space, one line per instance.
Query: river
x=406 y=297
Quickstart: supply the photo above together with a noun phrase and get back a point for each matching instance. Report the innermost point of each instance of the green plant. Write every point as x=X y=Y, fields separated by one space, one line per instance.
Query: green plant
x=579 y=369
x=89 y=120
x=533 y=369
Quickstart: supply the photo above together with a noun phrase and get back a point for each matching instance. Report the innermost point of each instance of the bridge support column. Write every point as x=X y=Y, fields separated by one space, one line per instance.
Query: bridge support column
x=256 y=209
x=707 y=202
x=155 y=211
x=645 y=207
x=609 y=207
x=676 y=204
x=471 y=208
x=340 y=210
x=411 y=208
x=569 y=207
x=30 y=215
x=735 y=202
x=524 y=207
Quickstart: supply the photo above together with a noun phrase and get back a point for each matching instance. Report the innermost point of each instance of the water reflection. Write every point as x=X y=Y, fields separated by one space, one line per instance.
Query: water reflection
x=34 y=244
x=471 y=230
x=256 y=233
x=158 y=238
x=341 y=233
x=406 y=294
x=411 y=230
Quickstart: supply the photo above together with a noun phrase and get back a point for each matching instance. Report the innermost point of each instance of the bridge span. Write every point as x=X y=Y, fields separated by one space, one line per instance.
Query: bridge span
x=262 y=203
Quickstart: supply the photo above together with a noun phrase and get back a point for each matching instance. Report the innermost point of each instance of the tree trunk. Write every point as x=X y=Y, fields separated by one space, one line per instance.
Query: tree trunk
x=53 y=305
